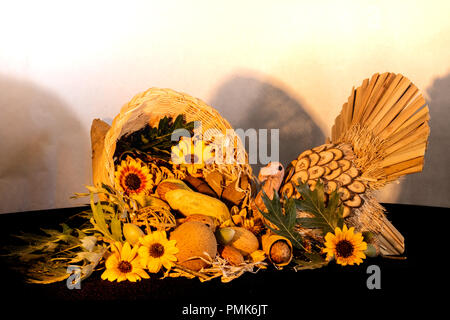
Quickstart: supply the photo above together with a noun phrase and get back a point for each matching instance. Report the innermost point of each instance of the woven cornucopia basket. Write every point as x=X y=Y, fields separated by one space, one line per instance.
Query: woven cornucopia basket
x=148 y=108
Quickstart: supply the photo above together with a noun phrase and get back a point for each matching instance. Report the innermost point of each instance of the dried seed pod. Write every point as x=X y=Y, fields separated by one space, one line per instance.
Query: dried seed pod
x=345 y=164
x=323 y=147
x=304 y=154
x=355 y=202
x=344 y=179
x=243 y=212
x=338 y=154
x=234 y=210
x=293 y=163
x=314 y=159
x=325 y=157
x=346 y=212
x=237 y=219
x=334 y=174
x=353 y=172
x=289 y=172
x=278 y=249
x=333 y=165
x=327 y=171
x=319 y=148
x=301 y=175
x=345 y=194
x=287 y=190
x=312 y=184
x=330 y=187
x=302 y=164
x=357 y=187
x=315 y=172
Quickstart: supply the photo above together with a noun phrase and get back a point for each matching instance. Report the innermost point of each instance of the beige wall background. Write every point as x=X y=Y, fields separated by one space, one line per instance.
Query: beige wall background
x=63 y=64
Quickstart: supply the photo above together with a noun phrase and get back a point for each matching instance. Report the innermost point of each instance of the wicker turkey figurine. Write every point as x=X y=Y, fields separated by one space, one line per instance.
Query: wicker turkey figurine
x=380 y=135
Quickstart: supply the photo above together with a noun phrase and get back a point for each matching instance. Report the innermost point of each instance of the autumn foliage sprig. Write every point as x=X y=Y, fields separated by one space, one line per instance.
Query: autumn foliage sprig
x=325 y=216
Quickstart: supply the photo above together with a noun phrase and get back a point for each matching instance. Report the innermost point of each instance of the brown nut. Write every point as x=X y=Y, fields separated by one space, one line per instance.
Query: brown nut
x=232 y=255
x=280 y=252
x=278 y=249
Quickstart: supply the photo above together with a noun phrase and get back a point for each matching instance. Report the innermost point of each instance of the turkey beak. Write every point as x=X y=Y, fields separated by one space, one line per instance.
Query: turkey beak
x=272 y=169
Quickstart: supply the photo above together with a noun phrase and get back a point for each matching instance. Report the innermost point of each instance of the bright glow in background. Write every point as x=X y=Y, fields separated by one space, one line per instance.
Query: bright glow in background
x=93 y=56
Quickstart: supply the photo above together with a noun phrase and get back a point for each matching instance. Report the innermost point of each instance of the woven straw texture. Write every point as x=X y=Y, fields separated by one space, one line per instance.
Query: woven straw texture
x=149 y=107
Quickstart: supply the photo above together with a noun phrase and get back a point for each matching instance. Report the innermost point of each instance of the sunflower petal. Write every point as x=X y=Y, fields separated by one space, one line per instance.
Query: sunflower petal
x=126 y=252
x=142 y=273
x=154 y=265
x=121 y=277
x=143 y=252
x=167 y=263
x=171 y=250
x=112 y=275
x=112 y=262
x=132 y=277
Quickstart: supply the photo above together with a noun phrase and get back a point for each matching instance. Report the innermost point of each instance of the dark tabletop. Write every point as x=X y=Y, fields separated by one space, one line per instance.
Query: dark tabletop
x=415 y=278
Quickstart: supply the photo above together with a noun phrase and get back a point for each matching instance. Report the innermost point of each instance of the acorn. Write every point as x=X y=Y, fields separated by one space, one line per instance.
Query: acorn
x=225 y=235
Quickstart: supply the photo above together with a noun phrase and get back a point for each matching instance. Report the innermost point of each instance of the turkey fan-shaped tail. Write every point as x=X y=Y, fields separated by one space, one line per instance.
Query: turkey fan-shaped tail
x=384 y=124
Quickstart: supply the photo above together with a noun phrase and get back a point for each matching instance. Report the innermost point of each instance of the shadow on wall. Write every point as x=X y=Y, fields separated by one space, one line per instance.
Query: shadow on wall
x=247 y=102
x=41 y=143
x=432 y=185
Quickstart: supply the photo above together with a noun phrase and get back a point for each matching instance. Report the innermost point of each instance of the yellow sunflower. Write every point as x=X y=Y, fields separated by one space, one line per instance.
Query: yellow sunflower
x=124 y=264
x=133 y=177
x=345 y=245
x=157 y=251
x=193 y=154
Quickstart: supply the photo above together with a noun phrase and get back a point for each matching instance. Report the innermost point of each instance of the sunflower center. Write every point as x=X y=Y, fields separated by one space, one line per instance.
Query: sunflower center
x=156 y=250
x=125 y=266
x=344 y=249
x=132 y=181
x=191 y=158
